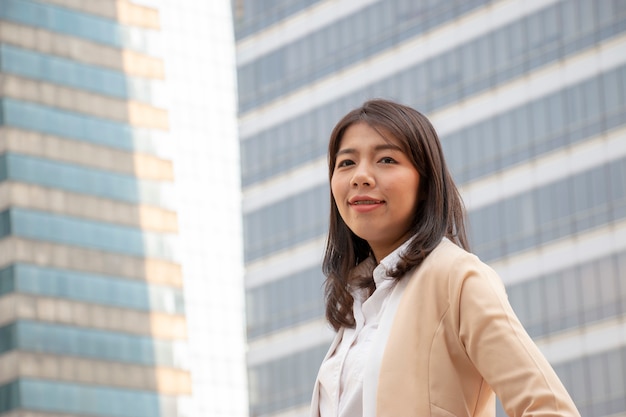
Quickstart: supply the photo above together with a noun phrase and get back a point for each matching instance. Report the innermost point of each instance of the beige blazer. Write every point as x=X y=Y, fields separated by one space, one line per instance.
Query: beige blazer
x=453 y=342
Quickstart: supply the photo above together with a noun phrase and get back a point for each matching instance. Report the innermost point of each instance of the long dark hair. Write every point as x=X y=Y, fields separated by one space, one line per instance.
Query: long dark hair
x=440 y=212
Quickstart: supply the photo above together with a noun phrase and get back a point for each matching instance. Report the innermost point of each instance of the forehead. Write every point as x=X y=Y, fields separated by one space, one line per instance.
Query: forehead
x=362 y=134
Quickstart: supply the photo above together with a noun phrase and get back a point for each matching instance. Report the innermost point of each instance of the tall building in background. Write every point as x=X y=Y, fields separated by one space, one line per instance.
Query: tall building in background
x=200 y=69
x=120 y=259
x=530 y=100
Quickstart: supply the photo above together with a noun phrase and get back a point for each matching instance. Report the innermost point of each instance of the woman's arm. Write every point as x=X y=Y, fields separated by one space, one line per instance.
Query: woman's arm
x=501 y=350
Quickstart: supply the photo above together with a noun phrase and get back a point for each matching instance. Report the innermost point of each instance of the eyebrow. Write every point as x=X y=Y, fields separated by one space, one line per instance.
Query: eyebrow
x=387 y=146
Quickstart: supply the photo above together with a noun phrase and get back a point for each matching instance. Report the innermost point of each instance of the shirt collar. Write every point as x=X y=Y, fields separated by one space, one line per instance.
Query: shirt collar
x=388 y=263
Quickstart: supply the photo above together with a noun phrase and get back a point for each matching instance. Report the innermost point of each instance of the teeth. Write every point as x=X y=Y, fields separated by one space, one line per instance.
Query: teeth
x=367 y=202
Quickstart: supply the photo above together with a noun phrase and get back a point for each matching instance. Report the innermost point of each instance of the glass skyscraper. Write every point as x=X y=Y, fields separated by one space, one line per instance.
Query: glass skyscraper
x=120 y=259
x=529 y=98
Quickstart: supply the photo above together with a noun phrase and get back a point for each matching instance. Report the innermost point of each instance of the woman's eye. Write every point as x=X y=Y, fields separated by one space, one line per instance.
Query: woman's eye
x=388 y=160
x=344 y=163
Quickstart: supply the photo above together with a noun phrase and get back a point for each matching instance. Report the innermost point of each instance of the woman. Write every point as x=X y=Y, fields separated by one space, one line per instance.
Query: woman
x=424 y=328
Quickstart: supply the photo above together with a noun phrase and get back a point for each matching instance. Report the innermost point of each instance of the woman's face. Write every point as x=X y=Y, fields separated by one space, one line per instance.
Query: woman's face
x=375 y=187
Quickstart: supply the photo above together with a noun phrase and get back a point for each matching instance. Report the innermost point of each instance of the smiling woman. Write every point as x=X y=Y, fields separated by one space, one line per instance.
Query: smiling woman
x=424 y=328
x=370 y=181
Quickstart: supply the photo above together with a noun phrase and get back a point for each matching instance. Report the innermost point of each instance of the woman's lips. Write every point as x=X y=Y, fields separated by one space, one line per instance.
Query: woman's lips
x=365 y=205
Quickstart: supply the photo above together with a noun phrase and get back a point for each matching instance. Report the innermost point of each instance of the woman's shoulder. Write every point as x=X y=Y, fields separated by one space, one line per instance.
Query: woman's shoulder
x=448 y=255
x=450 y=265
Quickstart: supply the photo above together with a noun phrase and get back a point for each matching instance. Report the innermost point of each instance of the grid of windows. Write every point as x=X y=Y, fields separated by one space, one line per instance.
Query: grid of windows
x=342 y=43
x=565 y=299
x=563 y=35
x=75 y=399
x=252 y=16
x=71 y=73
x=284 y=382
x=67 y=230
x=531 y=218
x=84 y=180
x=282 y=225
x=90 y=288
x=74 y=23
x=56 y=339
x=590 y=199
x=155 y=353
x=565 y=117
x=573 y=297
x=503 y=54
x=290 y=300
x=423 y=88
x=78 y=126
x=607 y=370
x=273 y=386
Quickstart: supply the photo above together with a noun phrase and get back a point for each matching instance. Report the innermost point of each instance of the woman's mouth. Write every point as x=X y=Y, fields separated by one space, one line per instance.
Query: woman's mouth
x=365 y=202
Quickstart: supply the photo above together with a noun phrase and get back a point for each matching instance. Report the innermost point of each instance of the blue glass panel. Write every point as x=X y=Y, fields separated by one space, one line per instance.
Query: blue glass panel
x=284 y=382
x=91 y=288
x=74 y=23
x=8 y=338
x=9 y=395
x=78 y=399
x=62 y=71
x=80 y=179
x=5 y=224
x=89 y=343
x=91 y=234
x=79 y=126
x=75 y=74
x=3 y=169
x=252 y=15
x=287 y=301
x=66 y=124
x=7 y=279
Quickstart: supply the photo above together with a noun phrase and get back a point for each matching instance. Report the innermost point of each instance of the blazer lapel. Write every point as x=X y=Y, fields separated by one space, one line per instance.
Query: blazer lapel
x=315 y=400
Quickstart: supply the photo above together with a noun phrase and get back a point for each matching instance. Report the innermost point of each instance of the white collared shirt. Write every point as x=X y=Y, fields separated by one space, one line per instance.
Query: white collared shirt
x=341 y=374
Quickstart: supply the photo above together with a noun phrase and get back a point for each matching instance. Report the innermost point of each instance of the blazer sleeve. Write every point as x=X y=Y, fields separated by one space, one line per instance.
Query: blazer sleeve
x=500 y=348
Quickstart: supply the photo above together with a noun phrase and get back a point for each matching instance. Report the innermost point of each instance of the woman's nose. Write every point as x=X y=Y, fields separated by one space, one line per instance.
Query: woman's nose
x=362 y=177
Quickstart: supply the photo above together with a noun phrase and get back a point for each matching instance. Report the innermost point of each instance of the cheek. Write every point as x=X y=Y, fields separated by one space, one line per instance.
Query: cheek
x=335 y=188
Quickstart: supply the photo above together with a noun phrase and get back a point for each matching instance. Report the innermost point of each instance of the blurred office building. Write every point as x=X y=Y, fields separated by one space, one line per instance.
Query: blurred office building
x=529 y=97
x=120 y=261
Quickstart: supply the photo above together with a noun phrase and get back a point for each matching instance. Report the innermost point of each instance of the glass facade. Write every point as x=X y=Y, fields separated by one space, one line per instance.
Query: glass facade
x=81 y=25
x=282 y=303
x=46 y=396
x=553 y=211
x=62 y=71
x=93 y=309
x=530 y=102
x=89 y=234
x=605 y=396
x=424 y=88
x=85 y=180
x=573 y=297
x=531 y=42
x=278 y=383
x=252 y=16
x=87 y=343
x=90 y=288
x=77 y=126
